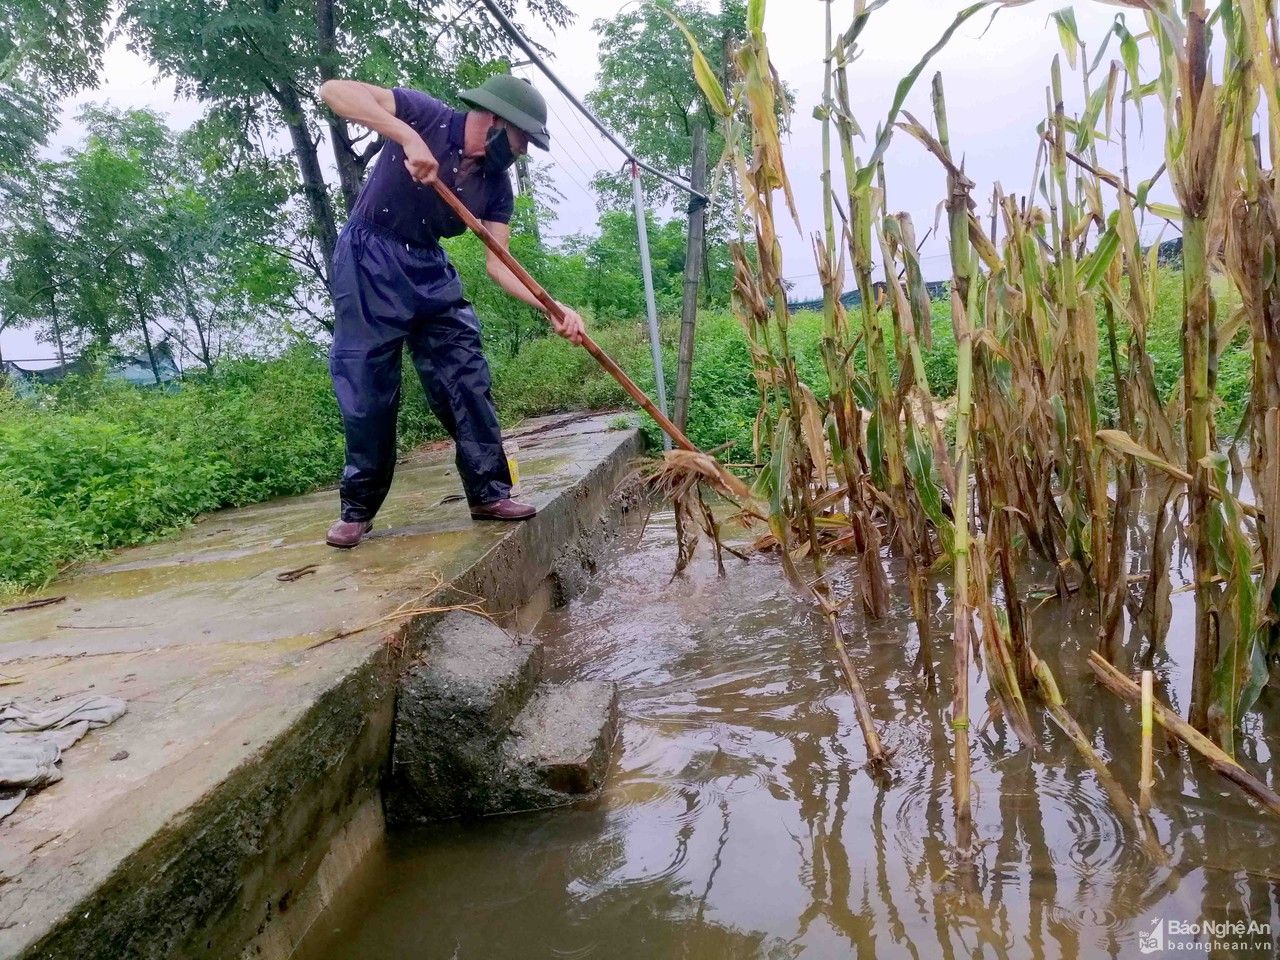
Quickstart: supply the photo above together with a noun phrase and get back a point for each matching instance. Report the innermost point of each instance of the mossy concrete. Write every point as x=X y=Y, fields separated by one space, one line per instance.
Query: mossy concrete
x=456 y=706
x=254 y=733
x=561 y=745
x=477 y=734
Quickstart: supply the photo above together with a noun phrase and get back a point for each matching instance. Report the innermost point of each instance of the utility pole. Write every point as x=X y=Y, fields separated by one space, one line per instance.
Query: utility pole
x=524 y=187
x=692 y=269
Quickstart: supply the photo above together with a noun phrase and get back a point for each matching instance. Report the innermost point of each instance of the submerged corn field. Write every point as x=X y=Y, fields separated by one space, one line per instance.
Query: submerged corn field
x=1017 y=491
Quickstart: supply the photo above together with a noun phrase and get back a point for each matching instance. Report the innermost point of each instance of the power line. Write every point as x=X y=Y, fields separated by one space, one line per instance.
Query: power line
x=519 y=40
x=592 y=140
x=561 y=157
x=563 y=127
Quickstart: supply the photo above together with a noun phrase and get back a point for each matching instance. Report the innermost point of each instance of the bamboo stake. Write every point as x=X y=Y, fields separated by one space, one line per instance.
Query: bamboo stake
x=1122 y=686
x=1145 y=779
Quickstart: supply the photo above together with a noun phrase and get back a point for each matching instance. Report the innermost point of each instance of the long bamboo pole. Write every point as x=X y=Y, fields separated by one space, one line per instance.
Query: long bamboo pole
x=553 y=307
x=692 y=273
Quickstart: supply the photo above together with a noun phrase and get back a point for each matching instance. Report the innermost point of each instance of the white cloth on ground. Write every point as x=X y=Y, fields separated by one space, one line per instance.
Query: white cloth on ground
x=33 y=735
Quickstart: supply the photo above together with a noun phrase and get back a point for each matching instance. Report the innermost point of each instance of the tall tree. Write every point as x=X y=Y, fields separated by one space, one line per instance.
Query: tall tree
x=226 y=225
x=143 y=236
x=48 y=49
x=38 y=262
x=645 y=90
x=265 y=58
x=112 y=215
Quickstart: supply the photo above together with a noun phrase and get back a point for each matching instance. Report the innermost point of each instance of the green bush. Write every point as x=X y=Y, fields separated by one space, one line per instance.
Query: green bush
x=94 y=465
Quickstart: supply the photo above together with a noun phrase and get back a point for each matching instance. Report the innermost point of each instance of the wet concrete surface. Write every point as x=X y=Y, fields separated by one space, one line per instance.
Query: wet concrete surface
x=250 y=729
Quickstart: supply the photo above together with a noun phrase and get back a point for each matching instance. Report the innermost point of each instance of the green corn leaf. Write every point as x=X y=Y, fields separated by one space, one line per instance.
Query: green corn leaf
x=1241 y=672
x=876 y=451
x=1106 y=40
x=1059 y=416
x=1128 y=52
x=863 y=392
x=925 y=478
x=706 y=78
x=833 y=440
x=1086 y=131
x=755 y=17
x=1094 y=267
x=1068 y=33
x=780 y=466
x=1140 y=93
x=861 y=14
x=1166 y=210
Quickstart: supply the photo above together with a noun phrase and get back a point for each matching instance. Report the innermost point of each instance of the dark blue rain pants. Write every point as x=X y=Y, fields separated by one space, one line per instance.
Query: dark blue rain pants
x=386 y=293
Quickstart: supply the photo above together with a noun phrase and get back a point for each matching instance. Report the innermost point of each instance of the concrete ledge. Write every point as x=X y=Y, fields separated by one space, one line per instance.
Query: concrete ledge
x=254 y=737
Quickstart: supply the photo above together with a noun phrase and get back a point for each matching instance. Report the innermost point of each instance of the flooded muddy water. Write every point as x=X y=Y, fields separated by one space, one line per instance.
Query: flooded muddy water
x=739 y=819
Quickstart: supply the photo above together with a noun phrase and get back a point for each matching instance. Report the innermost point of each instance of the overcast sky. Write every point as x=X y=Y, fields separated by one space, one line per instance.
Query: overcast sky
x=995 y=78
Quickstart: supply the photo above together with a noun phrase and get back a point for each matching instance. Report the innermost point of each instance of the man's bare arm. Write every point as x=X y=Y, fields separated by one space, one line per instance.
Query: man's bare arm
x=375 y=107
x=571 y=328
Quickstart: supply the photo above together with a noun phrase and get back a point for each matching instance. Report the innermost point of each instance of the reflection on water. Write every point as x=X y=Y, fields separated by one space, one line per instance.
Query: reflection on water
x=739 y=820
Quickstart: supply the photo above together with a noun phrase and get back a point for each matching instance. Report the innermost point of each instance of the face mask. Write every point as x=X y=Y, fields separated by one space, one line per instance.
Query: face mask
x=498 y=154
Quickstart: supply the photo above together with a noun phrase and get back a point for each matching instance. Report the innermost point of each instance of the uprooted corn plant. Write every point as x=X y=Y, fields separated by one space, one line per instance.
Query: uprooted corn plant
x=1041 y=283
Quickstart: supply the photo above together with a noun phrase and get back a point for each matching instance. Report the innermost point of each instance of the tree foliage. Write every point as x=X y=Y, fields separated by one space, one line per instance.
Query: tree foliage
x=264 y=59
x=646 y=91
x=143 y=235
x=48 y=49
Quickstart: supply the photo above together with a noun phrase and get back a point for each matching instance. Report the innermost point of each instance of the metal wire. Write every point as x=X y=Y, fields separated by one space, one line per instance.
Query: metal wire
x=529 y=51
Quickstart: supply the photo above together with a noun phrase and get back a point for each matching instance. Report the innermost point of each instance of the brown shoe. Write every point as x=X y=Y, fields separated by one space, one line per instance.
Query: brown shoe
x=345 y=534
x=502 y=510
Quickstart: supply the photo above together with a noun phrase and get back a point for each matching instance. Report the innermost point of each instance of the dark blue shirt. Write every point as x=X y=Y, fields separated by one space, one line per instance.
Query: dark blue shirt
x=411 y=210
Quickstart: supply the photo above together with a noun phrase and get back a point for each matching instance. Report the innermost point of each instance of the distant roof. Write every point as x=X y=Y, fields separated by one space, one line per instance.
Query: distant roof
x=133 y=369
x=938 y=290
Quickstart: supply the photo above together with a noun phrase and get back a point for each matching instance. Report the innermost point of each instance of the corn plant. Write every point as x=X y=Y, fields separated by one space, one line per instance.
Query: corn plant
x=1058 y=279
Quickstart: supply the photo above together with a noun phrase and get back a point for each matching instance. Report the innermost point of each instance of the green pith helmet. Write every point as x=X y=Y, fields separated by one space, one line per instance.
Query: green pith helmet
x=513 y=99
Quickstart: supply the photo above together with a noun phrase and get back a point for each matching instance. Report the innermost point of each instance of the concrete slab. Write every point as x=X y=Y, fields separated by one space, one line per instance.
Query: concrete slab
x=252 y=734
x=455 y=707
x=563 y=741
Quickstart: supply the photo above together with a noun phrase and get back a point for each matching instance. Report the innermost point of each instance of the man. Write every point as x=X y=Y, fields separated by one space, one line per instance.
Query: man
x=393 y=284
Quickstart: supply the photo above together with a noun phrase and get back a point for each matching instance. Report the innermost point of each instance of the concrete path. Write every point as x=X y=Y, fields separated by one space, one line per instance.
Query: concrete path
x=251 y=733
